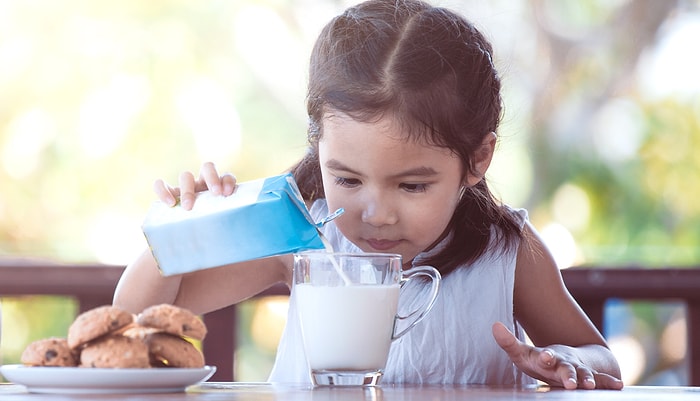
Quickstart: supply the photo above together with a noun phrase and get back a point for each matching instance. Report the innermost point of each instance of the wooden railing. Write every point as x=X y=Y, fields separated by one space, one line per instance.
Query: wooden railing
x=93 y=285
x=593 y=286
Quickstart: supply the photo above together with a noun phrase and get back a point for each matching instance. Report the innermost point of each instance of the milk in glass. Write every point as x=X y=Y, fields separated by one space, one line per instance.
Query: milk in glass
x=347 y=327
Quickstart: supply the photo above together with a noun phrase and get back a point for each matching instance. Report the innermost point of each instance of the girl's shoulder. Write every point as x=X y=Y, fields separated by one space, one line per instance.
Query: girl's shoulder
x=504 y=243
x=520 y=215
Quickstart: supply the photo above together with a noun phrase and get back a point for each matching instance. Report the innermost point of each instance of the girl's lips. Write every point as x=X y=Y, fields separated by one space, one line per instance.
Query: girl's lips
x=382 y=244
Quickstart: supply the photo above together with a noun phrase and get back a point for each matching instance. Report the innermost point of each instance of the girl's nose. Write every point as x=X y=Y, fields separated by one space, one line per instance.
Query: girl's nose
x=379 y=212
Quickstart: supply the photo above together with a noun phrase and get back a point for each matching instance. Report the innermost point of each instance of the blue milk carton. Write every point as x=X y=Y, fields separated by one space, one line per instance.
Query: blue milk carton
x=261 y=218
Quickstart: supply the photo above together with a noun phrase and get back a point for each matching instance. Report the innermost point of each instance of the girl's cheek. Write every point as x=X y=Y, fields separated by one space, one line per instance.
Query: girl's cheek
x=337 y=199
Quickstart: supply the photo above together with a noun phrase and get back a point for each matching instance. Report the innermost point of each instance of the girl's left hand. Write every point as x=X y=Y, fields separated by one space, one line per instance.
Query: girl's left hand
x=556 y=365
x=209 y=179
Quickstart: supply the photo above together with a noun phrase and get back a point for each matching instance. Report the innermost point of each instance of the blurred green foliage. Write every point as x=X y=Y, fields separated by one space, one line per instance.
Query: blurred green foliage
x=643 y=209
x=33 y=318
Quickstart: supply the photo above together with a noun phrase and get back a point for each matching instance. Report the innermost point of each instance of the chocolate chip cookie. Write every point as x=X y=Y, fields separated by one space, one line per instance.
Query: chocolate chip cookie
x=174 y=320
x=52 y=351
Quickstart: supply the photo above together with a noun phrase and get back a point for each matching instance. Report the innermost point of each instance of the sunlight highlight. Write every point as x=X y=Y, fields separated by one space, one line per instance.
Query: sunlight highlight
x=274 y=45
x=561 y=243
x=115 y=239
x=209 y=112
x=107 y=113
x=28 y=134
x=674 y=340
x=672 y=66
x=618 y=130
x=269 y=319
x=571 y=207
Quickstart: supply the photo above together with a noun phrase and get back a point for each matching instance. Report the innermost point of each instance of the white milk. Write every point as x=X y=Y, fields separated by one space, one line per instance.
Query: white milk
x=347 y=327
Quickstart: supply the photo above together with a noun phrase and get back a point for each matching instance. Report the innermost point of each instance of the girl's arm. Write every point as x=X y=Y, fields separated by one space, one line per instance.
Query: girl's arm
x=203 y=291
x=568 y=350
x=142 y=285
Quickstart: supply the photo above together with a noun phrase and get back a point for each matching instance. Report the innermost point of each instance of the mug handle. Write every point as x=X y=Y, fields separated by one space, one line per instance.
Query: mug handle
x=435 y=279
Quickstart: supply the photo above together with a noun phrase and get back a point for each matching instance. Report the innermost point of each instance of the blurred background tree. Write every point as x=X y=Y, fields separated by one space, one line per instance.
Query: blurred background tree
x=97 y=99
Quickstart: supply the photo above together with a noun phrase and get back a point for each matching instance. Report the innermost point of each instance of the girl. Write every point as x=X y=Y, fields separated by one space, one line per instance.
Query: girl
x=404 y=103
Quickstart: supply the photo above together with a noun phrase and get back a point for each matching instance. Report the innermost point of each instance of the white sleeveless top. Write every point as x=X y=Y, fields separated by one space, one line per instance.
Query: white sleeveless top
x=452 y=344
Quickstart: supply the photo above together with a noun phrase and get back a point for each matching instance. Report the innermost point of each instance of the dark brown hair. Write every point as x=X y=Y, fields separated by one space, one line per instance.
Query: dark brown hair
x=431 y=69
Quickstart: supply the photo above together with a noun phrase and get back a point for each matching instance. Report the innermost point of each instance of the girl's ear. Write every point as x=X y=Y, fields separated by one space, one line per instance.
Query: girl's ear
x=482 y=159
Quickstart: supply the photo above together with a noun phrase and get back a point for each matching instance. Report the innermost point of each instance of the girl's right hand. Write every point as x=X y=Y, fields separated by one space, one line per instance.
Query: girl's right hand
x=209 y=179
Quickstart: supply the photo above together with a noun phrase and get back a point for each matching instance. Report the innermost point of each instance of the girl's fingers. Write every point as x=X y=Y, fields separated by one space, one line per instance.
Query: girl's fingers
x=187 y=190
x=546 y=358
x=209 y=179
x=585 y=378
x=228 y=182
x=507 y=341
x=568 y=376
x=561 y=371
x=165 y=192
x=605 y=381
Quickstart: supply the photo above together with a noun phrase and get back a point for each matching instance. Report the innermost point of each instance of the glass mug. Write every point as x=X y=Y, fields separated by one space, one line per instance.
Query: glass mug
x=348 y=309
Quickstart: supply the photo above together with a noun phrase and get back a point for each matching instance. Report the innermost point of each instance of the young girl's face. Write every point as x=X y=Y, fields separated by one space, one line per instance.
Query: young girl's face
x=398 y=196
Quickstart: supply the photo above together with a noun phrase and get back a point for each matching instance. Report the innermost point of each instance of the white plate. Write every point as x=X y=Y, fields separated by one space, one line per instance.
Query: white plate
x=102 y=381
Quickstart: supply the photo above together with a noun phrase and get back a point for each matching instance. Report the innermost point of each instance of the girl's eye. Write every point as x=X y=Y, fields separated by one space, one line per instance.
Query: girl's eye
x=347 y=182
x=415 y=187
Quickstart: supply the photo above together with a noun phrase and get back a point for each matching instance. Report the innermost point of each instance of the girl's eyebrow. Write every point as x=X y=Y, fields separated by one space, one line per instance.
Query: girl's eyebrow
x=337 y=165
x=422 y=171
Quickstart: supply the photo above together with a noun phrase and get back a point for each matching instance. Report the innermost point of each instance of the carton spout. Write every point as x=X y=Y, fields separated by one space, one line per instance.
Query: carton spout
x=330 y=217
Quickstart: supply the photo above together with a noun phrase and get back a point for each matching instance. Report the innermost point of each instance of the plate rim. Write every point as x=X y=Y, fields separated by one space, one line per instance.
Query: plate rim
x=108 y=380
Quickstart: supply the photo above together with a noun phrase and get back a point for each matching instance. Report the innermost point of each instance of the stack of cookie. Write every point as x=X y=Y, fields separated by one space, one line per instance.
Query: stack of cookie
x=109 y=337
